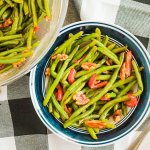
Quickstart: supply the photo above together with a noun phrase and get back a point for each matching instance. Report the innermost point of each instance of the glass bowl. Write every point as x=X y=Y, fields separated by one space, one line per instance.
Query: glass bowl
x=47 y=35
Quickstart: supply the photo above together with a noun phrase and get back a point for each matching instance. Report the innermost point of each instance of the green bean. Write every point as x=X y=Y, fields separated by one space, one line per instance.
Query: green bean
x=108 y=54
x=56 y=114
x=122 y=82
x=12 y=50
x=103 y=77
x=138 y=75
x=98 y=31
x=46 y=5
x=18 y=1
x=34 y=13
x=67 y=43
x=29 y=39
x=93 y=50
x=9 y=2
x=121 y=86
x=86 y=38
x=9 y=61
x=80 y=53
x=111 y=46
x=58 y=77
x=1 y=3
x=29 y=6
x=40 y=4
x=115 y=90
x=126 y=89
x=25 y=8
x=99 y=44
x=6 y=14
x=50 y=107
x=116 y=107
x=15 y=22
x=83 y=78
x=102 y=93
x=97 y=130
x=105 y=113
x=119 y=49
x=69 y=122
x=1 y=33
x=11 y=42
x=105 y=42
x=92 y=133
x=6 y=69
x=68 y=49
x=124 y=109
x=24 y=55
x=3 y=9
x=58 y=107
x=95 y=56
x=53 y=67
x=75 y=106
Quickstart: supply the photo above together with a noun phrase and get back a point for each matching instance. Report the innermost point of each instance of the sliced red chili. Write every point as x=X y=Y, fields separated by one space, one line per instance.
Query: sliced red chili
x=132 y=102
x=59 y=93
x=71 y=76
x=92 y=80
x=95 y=124
x=128 y=63
x=123 y=71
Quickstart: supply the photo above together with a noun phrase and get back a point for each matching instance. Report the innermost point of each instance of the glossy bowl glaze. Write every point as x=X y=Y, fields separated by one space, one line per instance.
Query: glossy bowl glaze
x=47 y=35
x=130 y=123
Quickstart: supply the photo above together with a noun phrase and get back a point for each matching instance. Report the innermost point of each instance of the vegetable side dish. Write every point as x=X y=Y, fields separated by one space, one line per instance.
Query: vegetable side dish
x=91 y=81
x=18 y=23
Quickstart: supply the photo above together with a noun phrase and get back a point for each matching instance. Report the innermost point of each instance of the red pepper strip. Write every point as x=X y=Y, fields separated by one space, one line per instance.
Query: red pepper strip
x=123 y=71
x=95 y=124
x=71 y=76
x=92 y=81
x=93 y=84
x=68 y=110
x=105 y=98
x=128 y=63
x=36 y=29
x=59 y=93
x=132 y=102
x=100 y=84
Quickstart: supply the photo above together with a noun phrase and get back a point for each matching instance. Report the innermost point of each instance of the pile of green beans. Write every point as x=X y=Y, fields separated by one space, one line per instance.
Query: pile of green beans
x=19 y=21
x=68 y=77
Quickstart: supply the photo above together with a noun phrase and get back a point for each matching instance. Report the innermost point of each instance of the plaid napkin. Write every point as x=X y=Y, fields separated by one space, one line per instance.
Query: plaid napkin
x=20 y=127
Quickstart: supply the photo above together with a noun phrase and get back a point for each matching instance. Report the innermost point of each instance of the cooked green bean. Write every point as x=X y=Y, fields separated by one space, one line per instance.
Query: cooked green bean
x=92 y=133
x=119 y=49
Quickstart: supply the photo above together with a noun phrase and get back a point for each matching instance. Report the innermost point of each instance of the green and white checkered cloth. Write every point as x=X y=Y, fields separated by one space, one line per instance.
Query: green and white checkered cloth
x=20 y=127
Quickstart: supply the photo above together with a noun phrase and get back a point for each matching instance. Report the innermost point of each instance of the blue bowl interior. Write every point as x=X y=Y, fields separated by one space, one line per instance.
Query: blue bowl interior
x=140 y=111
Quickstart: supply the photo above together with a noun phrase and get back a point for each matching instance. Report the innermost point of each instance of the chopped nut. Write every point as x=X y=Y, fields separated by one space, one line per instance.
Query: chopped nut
x=60 y=56
x=88 y=66
x=117 y=115
x=80 y=98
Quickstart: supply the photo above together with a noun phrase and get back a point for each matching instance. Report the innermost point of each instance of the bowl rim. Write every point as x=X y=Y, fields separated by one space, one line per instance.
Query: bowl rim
x=62 y=14
x=62 y=135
